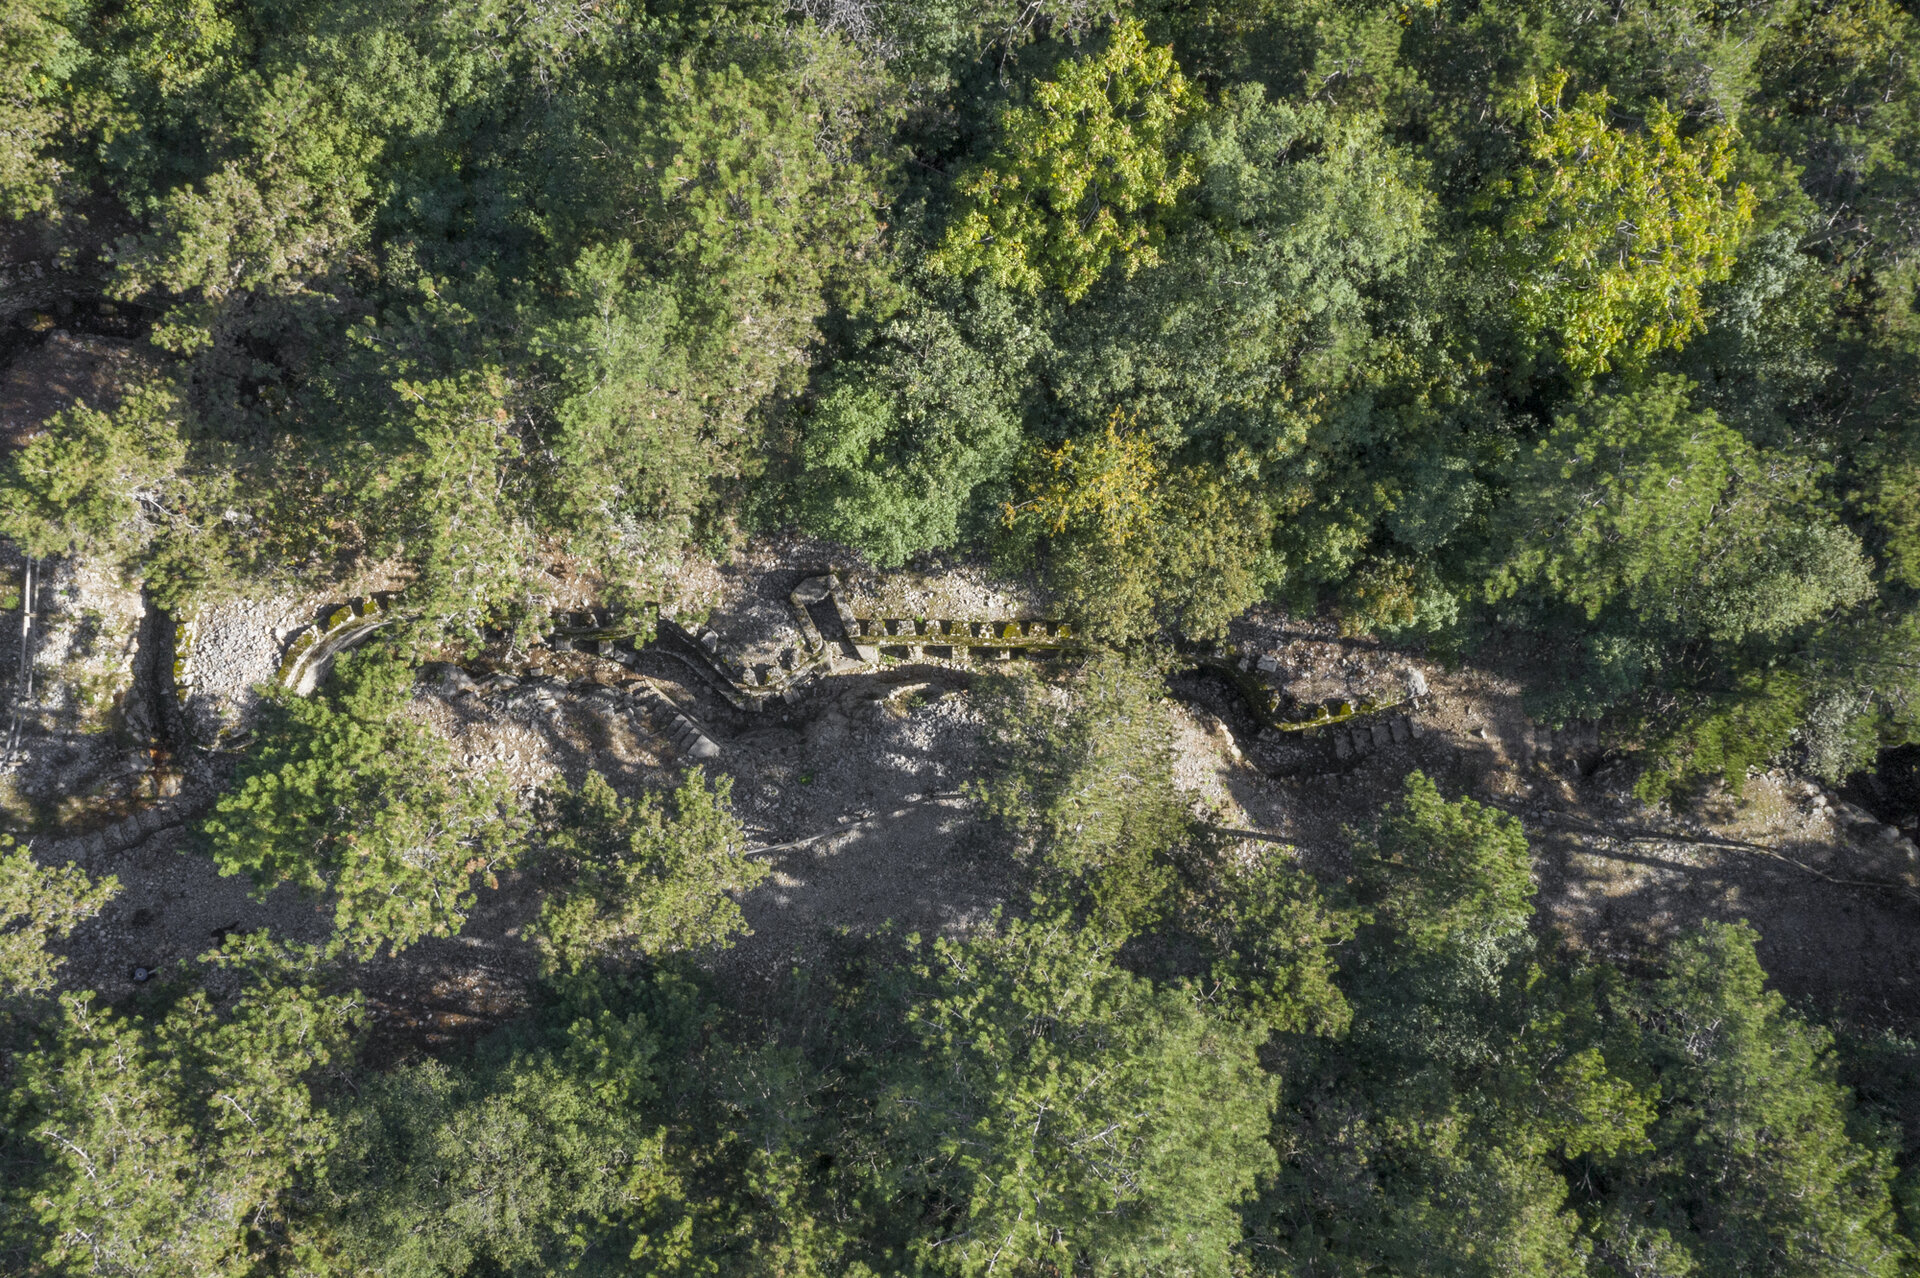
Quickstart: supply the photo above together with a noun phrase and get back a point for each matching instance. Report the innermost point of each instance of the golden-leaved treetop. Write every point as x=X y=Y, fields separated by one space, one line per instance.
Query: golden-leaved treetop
x=1610 y=232
x=1088 y=173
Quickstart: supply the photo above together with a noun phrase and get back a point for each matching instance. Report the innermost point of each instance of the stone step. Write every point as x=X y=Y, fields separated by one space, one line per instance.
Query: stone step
x=682 y=732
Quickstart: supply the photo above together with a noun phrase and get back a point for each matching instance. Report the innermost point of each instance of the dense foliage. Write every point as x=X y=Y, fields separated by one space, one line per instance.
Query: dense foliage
x=1403 y=311
x=1584 y=337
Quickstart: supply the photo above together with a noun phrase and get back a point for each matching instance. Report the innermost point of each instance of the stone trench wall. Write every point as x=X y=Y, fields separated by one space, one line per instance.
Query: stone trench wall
x=834 y=641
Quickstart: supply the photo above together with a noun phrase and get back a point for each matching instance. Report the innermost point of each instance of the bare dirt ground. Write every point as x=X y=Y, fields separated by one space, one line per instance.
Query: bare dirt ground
x=852 y=792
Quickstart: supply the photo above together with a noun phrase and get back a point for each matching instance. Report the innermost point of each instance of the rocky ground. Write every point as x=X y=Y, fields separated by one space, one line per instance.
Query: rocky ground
x=852 y=795
x=81 y=712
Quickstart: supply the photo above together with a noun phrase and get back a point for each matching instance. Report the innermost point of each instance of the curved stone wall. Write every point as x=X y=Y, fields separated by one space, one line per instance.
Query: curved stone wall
x=311 y=652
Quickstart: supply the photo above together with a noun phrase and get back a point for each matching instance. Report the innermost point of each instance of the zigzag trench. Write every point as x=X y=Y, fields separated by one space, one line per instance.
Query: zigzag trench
x=834 y=642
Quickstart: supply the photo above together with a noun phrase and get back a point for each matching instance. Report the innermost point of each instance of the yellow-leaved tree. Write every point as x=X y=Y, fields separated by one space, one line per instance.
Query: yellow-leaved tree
x=1106 y=484
x=1085 y=174
x=1132 y=542
x=1608 y=232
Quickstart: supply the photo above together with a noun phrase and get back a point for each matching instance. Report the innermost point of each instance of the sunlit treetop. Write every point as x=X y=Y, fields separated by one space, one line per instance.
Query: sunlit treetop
x=1610 y=232
x=1108 y=481
x=1085 y=174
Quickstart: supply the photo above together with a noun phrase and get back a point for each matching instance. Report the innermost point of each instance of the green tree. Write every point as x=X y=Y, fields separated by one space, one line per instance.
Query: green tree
x=129 y=486
x=1639 y=500
x=1087 y=173
x=290 y=205
x=1721 y=734
x=348 y=795
x=1069 y=1115
x=905 y=446
x=450 y=492
x=1755 y=1166
x=1698 y=563
x=1429 y=1139
x=627 y=448
x=176 y=46
x=1083 y=774
x=1094 y=503
x=1608 y=234
x=761 y=189
x=1272 y=364
x=1310 y=235
x=99 y=483
x=542 y=1155
x=39 y=55
x=1441 y=874
x=853 y=491
x=1129 y=545
x=644 y=877
x=174 y=1145
x=1277 y=936
x=37 y=905
x=1840 y=103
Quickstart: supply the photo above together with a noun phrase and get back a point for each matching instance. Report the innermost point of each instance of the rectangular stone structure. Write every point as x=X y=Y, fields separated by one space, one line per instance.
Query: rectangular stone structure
x=1050 y=635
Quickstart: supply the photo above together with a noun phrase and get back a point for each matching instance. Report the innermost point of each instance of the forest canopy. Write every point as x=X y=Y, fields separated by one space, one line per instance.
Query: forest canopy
x=1185 y=308
x=1587 y=334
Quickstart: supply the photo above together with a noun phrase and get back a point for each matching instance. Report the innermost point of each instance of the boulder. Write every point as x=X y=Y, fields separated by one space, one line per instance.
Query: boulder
x=814 y=589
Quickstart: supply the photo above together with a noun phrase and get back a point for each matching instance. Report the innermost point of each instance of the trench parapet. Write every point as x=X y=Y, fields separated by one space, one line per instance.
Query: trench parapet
x=1277 y=711
x=311 y=652
x=585 y=629
x=965 y=639
x=833 y=640
x=184 y=633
